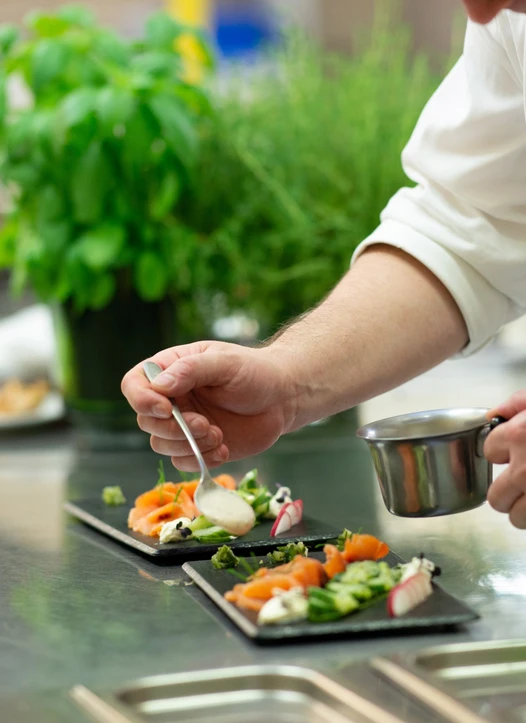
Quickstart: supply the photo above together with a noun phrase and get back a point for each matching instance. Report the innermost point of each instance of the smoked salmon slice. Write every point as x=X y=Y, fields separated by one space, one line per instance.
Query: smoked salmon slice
x=302 y=572
x=364 y=547
x=142 y=517
x=151 y=523
x=335 y=562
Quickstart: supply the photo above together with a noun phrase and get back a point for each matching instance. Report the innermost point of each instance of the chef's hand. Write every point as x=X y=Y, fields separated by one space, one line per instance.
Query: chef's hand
x=237 y=401
x=507 y=445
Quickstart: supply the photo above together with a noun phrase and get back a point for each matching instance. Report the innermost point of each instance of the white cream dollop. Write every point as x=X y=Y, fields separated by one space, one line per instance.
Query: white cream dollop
x=417 y=564
x=285 y=606
x=172 y=531
x=281 y=498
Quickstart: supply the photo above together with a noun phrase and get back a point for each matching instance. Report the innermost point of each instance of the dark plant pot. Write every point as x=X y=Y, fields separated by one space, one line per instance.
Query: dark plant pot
x=96 y=349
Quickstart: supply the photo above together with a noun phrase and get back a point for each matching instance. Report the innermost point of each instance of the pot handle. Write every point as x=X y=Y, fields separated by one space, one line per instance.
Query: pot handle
x=485 y=431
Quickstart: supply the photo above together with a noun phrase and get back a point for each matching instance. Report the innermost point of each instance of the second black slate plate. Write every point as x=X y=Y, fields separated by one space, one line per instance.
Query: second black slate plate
x=112 y=521
x=440 y=610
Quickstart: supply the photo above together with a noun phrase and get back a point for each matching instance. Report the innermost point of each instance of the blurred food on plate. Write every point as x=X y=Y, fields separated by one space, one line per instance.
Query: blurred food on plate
x=17 y=397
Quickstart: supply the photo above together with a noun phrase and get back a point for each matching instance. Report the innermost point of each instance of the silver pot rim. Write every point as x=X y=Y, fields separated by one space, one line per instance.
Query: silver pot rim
x=462 y=420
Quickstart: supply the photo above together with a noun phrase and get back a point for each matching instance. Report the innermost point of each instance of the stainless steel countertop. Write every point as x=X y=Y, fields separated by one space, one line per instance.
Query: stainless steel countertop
x=76 y=607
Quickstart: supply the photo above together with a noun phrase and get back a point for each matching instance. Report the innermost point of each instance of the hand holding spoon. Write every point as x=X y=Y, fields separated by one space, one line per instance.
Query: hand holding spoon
x=222 y=507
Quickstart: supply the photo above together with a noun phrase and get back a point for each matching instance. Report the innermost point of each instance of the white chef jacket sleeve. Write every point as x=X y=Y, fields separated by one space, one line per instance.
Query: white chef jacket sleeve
x=466 y=218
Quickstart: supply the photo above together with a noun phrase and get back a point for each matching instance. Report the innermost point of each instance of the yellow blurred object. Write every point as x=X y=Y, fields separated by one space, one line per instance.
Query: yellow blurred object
x=197 y=13
x=191 y=12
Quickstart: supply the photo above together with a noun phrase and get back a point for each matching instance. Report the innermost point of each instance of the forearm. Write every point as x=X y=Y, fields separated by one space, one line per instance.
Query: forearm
x=387 y=321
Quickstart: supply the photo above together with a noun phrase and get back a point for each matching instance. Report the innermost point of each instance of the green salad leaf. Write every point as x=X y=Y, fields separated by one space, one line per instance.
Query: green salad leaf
x=224 y=558
x=113 y=496
x=288 y=552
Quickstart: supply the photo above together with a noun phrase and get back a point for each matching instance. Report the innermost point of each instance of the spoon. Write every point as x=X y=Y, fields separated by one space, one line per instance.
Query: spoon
x=222 y=507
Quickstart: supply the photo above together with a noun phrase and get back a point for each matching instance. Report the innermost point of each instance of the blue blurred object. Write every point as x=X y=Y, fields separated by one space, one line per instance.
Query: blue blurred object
x=243 y=30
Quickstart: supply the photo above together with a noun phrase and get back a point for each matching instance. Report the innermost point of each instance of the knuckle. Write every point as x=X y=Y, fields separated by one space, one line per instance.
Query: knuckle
x=518 y=474
x=516 y=432
x=155 y=444
x=518 y=519
x=519 y=398
x=496 y=501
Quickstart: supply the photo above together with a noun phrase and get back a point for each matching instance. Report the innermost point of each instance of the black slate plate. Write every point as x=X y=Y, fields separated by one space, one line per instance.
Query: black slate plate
x=112 y=521
x=439 y=611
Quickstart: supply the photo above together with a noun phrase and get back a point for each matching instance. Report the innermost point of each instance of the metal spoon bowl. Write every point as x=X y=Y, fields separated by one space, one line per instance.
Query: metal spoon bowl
x=220 y=506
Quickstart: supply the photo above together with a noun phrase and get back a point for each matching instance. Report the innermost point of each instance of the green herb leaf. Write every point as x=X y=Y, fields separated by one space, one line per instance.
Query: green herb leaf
x=286 y=553
x=177 y=495
x=158 y=64
x=162 y=477
x=102 y=292
x=176 y=127
x=109 y=47
x=8 y=37
x=166 y=196
x=151 y=276
x=342 y=538
x=246 y=565
x=46 y=25
x=113 y=496
x=48 y=61
x=113 y=107
x=224 y=558
x=101 y=247
x=3 y=99
x=8 y=238
x=77 y=107
x=162 y=30
x=90 y=184
x=76 y=15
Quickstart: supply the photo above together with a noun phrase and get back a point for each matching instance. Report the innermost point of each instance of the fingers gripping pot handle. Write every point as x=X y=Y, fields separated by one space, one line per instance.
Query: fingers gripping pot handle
x=486 y=431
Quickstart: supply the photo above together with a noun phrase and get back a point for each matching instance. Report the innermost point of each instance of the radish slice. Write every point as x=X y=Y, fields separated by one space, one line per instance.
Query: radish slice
x=296 y=511
x=408 y=594
x=290 y=515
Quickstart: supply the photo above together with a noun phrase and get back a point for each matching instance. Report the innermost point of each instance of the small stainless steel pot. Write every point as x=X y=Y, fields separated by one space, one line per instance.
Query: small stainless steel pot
x=431 y=463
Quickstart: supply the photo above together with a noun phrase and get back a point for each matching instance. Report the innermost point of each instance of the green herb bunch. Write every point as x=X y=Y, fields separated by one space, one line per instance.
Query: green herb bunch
x=298 y=165
x=99 y=161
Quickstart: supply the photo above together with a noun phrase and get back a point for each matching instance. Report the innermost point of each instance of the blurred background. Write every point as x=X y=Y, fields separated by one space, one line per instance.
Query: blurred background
x=201 y=168
x=239 y=26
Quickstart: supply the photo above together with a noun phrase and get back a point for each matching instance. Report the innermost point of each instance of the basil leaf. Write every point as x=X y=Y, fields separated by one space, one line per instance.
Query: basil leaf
x=8 y=37
x=47 y=62
x=165 y=197
x=3 y=99
x=46 y=25
x=113 y=107
x=177 y=130
x=91 y=181
x=102 y=292
x=162 y=30
x=151 y=277
x=76 y=15
x=77 y=107
x=100 y=248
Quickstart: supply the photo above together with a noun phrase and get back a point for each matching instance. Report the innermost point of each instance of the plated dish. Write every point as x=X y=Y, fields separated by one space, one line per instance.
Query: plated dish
x=355 y=585
x=169 y=511
x=25 y=404
x=164 y=521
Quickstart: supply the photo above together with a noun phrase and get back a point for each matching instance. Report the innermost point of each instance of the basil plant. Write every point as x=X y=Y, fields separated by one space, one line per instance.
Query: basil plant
x=98 y=160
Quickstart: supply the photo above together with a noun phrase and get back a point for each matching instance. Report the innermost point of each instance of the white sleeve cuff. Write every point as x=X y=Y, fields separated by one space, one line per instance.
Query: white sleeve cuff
x=484 y=308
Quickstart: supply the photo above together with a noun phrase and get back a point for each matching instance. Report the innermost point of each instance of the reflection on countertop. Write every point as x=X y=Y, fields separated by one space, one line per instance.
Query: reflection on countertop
x=76 y=607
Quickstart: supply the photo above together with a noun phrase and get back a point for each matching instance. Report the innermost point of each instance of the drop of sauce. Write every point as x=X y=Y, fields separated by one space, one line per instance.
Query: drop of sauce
x=227 y=510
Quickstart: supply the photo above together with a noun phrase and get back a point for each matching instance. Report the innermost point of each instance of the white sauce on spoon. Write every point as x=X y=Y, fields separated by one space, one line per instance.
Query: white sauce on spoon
x=227 y=510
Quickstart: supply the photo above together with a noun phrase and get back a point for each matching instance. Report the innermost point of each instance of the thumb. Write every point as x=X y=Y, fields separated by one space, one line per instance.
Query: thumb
x=194 y=371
